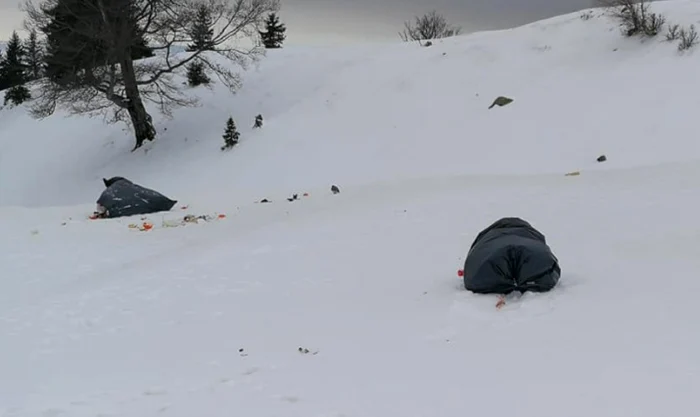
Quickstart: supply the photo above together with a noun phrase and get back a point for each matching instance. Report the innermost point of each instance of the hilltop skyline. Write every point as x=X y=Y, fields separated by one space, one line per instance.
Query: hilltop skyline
x=331 y=21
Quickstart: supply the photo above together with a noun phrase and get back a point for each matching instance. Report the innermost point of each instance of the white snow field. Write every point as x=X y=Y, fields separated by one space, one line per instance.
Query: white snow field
x=208 y=319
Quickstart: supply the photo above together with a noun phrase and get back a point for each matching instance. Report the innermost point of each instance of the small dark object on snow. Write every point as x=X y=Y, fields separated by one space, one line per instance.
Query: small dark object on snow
x=294 y=197
x=335 y=189
x=264 y=200
x=429 y=43
x=602 y=158
x=510 y=255
x=124 y=198
x=306 y=351
x=501 y=101
x=258 y=121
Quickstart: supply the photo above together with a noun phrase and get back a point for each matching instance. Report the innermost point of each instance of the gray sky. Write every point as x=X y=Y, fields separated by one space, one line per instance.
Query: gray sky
x=324 y=21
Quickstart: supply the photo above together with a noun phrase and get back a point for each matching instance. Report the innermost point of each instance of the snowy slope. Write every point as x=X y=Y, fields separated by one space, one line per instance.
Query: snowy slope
x=397 y=111
x=207 y=319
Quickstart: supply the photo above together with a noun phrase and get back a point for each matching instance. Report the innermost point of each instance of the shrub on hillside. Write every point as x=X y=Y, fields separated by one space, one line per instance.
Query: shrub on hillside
x=17 y=95
x=196 y=75
x=587 y=15
x=231 y=135
x=688 y=38
x=672 y=32
x=634 y=16
x=429 y=26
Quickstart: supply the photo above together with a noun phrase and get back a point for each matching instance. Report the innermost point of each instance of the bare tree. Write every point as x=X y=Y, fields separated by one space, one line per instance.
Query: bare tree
x=429 y=26
x=116 y=86
x=634 y=16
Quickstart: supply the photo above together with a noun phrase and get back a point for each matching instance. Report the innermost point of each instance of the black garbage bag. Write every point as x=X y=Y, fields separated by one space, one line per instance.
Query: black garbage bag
x=124 y=198
x=510 y=255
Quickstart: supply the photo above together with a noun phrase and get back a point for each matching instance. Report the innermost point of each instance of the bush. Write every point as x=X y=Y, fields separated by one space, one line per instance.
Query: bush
x=196 y=75
x=634 y=16
x=429 y=26
x=688 y=38
x=672 y=33
x=17 y=95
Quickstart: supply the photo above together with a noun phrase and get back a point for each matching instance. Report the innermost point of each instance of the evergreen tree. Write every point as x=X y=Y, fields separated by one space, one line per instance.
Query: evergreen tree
x=17 y=95
x=202 y=34
x=274 y=34
x=202 y=31
x=34 y=56
x=13 y=71
x=196 y=74
x=231 y=135
x=140 y=48
x=71 y=51
x=3 y=83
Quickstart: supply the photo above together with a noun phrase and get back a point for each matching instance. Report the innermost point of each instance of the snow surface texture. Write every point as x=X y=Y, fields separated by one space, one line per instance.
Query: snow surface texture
x=207 y=319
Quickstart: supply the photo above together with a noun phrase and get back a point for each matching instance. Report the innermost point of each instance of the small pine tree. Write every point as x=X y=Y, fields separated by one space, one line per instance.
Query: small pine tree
x=17 y=94
x=202 y=31
x=140 y=48
x=3 y=82
x=231 y=135
x=34 y=55
x=13 y=72
x=274 y=34
x=196 y=74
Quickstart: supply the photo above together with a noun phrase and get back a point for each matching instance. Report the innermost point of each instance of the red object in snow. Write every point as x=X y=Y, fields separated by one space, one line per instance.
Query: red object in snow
x=460 y=273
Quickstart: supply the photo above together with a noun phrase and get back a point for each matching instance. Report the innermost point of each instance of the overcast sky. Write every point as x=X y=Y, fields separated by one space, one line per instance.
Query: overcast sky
x=323 y=21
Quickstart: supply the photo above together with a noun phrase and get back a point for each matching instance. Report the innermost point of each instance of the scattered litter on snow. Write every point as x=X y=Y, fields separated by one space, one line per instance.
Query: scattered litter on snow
x=192 y=219
x=144 y=227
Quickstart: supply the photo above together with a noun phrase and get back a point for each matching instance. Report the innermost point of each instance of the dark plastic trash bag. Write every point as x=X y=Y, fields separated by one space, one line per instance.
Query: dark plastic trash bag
x=124 y=198
x=510 y=255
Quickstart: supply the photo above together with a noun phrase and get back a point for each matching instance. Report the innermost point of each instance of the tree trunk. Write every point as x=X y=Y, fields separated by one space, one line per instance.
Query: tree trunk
x=140 y=119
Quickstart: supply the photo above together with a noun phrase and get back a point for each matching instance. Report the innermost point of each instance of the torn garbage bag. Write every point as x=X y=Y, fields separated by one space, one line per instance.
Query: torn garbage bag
x=124 y=198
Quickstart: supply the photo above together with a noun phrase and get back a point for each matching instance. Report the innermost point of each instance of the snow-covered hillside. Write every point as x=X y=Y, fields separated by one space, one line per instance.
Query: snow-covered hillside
x=348 y=304
x=368 y=113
